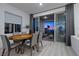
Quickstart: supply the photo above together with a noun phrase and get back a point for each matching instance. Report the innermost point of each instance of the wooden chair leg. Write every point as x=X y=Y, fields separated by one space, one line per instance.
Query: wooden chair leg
x=22 y=49
x=31 y=47
x=3 y=52
x=8 y=52
x=37 y=47
x=31 y=51
x=17 y=50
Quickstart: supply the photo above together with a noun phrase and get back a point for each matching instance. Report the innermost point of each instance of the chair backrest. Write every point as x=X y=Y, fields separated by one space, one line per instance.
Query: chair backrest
x=5 y=41
x=34 y=38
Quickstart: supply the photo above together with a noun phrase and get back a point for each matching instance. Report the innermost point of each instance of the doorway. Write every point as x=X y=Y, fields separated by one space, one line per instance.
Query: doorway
x=60 y=27
x=47 y=26
x=53 y=26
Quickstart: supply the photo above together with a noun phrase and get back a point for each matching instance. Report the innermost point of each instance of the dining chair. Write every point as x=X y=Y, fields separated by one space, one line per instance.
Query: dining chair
x=40 y=38
x=34 y=41
x=6 y=44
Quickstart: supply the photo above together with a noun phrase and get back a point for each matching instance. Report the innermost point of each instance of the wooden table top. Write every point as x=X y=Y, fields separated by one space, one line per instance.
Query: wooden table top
x=20 y=37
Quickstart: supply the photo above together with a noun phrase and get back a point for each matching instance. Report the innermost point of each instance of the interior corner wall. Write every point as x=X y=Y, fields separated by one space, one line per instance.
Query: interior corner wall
x=76 y=19
x=8 y=8
x=13 y=10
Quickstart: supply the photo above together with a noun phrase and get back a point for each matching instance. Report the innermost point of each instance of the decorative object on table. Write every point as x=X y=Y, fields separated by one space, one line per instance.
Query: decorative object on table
x=24 y=31
x=27 y=26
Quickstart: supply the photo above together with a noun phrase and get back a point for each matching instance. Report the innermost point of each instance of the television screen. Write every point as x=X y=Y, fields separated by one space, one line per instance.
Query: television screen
x=49 y=25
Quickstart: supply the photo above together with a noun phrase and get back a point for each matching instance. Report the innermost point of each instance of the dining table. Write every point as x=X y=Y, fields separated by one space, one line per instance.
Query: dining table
x=21 y=38
x=18 y=37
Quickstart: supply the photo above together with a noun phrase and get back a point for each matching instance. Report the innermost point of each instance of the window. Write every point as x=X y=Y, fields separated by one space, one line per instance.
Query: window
x=10 y=28
x=6 y=27
x=17 y=28
x=12 y=23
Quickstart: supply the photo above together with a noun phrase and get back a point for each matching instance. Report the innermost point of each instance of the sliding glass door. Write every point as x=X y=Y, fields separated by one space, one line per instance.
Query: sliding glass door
x=61 y=27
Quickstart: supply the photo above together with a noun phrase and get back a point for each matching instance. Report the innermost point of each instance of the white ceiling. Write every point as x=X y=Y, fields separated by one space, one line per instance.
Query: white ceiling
x=32 y=8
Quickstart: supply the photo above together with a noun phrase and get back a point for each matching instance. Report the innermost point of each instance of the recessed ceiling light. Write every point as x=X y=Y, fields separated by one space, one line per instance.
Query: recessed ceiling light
x=45 y=17
x=41 y=4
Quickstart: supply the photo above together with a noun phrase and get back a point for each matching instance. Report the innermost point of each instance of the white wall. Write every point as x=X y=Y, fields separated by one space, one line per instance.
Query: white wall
x=50 y=12
x=11 y=9
x=76 y=18
x=75 y=44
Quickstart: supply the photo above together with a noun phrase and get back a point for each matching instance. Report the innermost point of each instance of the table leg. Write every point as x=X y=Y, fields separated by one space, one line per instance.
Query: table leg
x=31 y=47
